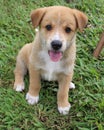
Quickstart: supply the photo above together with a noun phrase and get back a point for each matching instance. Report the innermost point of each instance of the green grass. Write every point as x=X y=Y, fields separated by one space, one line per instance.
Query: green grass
x=87 y=111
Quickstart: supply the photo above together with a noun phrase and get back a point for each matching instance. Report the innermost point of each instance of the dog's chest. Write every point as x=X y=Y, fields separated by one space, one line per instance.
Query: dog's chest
x=51 y=70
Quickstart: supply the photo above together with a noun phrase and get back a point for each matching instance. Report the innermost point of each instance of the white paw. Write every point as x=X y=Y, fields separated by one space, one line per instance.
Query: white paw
x=36 y=29
x=72 y=86
x=64 y=110
x=32 y=99
x=19 y=88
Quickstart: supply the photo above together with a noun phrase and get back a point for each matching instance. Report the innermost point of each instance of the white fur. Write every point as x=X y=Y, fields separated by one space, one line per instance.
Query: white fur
x=51 y=69
x=56 y=36
x=32 y=99
x=64 y=110
x=36 y=29
x=72 y=86
x=19 y=88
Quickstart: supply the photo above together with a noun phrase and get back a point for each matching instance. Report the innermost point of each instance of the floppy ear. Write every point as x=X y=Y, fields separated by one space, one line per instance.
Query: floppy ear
x=37 y=15
x=81 y=19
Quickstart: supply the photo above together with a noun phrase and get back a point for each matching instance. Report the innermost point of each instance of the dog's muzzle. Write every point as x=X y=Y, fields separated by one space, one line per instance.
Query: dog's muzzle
x=55 y=53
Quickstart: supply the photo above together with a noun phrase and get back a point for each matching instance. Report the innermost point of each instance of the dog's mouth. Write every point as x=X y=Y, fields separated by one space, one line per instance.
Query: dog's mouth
x=55 y=56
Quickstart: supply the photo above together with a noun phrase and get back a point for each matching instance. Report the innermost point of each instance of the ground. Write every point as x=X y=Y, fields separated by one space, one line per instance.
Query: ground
x=87 y=100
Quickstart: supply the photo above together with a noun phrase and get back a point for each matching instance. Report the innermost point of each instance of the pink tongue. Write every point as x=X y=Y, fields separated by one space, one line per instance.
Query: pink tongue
x=55 y=56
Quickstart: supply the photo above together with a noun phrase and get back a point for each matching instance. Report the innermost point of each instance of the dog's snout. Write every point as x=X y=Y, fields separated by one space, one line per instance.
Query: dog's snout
x=56 y=44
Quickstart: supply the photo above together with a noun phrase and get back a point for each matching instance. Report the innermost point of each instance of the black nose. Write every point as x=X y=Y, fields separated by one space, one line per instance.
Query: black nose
x=56 y=44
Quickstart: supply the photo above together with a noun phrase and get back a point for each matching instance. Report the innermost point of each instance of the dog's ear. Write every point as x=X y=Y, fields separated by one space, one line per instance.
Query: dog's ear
x=81 y=19
x=36 y=16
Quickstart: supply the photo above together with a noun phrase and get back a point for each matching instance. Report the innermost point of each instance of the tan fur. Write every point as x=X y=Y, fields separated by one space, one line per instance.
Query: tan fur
x=34 y=56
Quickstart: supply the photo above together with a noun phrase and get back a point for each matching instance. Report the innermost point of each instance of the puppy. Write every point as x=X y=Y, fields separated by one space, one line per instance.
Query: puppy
x=51 y=55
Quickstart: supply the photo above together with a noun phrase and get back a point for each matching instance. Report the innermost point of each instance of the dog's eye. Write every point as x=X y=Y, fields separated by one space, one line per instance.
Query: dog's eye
x=67 y=30
x=48 y=27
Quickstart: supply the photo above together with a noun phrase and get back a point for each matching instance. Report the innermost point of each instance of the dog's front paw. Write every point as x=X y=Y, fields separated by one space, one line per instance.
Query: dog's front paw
x=19 y=87
x=64 y=110
x=32 y=99
x=72 y=86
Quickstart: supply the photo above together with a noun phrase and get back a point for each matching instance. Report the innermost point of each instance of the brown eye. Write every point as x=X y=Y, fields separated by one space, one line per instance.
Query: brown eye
x=67 y=30
x=48 y=27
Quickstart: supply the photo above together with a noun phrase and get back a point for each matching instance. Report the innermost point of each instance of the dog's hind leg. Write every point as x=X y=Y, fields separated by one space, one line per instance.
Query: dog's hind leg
x=19 y=73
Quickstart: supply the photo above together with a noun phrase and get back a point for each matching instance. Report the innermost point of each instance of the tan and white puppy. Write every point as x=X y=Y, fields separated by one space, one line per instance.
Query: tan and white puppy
x=51 y=55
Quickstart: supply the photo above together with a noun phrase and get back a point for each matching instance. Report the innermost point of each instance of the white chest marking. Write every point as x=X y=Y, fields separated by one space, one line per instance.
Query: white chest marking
x=51 y=69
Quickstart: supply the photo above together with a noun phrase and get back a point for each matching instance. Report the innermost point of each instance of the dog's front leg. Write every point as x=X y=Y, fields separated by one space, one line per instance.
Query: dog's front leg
x=33 y=94
x=62 y=95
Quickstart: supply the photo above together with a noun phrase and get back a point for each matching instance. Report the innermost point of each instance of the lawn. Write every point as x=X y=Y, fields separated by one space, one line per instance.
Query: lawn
x=87 y=111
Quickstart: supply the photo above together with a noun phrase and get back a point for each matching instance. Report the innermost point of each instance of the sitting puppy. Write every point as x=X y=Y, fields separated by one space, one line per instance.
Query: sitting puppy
x=51 y=55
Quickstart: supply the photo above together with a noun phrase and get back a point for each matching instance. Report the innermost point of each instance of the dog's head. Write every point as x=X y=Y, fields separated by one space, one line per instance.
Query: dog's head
x=57 y=28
